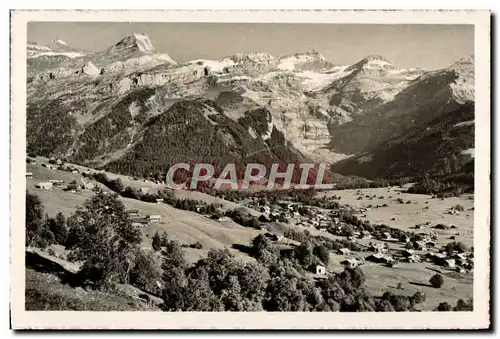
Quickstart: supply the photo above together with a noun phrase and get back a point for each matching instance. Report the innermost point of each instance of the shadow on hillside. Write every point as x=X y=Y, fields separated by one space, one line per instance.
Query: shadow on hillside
x=40 y=264
x=420 y=284
x=243 y=248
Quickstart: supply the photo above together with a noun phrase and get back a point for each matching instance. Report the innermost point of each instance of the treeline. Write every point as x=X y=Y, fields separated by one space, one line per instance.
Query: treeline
x=444 y=185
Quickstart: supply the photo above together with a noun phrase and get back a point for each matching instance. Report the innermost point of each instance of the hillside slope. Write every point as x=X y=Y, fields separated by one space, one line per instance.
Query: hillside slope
x=436 y=147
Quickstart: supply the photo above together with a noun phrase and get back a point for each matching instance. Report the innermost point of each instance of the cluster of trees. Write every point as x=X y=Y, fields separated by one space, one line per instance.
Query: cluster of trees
x=274 y=283
x=42 y=230
x=117 y=186
x=444 y=185
x=244 y=219
x=50 y=129
x=461 y=306
x=99 y=234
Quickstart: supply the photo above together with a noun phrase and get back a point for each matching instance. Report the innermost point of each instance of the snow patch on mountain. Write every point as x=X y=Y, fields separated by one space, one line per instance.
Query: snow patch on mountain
x=464 y=123
x=214 y=65
x=314 y=81
x=143 y=42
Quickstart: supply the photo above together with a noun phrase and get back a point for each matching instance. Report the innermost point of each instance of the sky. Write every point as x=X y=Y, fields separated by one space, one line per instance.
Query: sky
x=406 y=46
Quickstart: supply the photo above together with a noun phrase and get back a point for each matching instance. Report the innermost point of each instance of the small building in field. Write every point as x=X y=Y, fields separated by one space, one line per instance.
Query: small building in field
x=56 y=182
x=45 y=185
x=386 y=236
x=344 y=251
x=366 y=235
x=450 y=263
x=413 y=258
x=407 y=253
x=320 y=270
x=378 y=248
x=405 y=238
x=379 y=258
x=392 y=263
x=133 y=213
x=29 y=175
x=154 y=218
x=160 y=201
x=350 y=263
x=75 y=171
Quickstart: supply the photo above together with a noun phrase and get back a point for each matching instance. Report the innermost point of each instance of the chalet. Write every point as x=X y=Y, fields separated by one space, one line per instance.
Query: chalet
x=405 y=238
x=29 y=175
x=320 y=270
x=366 y=235
x=407 y=253
x=379 y=258
x=89 y=186
x=420 y=245
x=56 y=182
x=138 y=220
x=44 y=185
x=393 y=263
x=75 y=171
x=265 y=210
x=344 y=251
x=460 y=256
x=59 y=162
x=430 y=244
x=350 y=263
x=356 y=234
x=133 y=213
x=154 y=218
x=139 y=224
x=450 y=263
x=413 y=258
x=271 y=236
x=386 y=236
x=378 y=248
x=160 y=201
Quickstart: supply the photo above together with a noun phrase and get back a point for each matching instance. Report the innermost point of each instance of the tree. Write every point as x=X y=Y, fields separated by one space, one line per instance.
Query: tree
x=34 y=217
x=104 y=239
x=463 y=306
x=146 y=272
x=58 y=227
x=322 y=253
x=173 y=257
x=436 y=280
x=156 y=242
x=443 y=307
x=164 y=239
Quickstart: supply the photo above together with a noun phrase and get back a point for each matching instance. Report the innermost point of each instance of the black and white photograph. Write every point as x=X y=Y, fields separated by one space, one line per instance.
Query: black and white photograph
x=295 y=170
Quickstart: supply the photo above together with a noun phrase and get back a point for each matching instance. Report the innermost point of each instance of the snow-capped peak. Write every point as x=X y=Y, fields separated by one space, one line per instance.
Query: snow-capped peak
x=373 y=62
x=288 y=62
x=464 y=62
x=143 y=42
x=138 y=41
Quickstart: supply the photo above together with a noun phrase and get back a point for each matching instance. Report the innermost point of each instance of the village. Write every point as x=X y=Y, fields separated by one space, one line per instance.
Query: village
x=358 y=242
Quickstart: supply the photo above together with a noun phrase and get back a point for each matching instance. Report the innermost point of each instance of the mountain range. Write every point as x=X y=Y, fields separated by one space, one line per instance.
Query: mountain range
x=133 y=110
